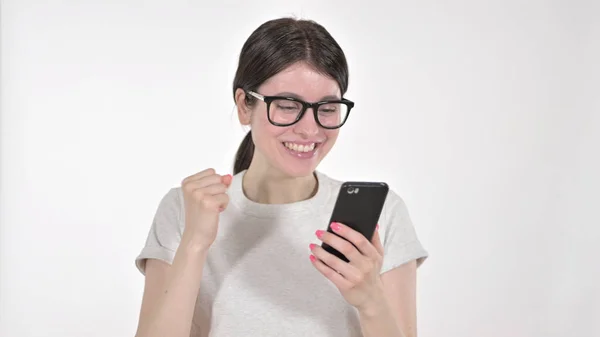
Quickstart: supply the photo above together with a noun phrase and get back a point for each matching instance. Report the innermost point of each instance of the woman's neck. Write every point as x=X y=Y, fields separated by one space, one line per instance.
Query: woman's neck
x=269 y=187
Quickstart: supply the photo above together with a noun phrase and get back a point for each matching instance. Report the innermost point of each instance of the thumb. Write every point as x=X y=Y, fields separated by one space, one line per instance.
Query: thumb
x=226 y=179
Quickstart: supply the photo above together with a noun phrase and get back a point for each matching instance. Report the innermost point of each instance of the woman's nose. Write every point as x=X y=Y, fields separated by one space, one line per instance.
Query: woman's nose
x=307 y=125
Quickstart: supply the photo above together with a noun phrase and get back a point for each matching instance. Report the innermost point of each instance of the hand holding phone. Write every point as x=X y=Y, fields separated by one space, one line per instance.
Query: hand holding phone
x=358 y=206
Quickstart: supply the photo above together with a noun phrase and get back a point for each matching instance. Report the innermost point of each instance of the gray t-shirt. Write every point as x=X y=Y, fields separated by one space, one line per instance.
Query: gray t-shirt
x=258 y=279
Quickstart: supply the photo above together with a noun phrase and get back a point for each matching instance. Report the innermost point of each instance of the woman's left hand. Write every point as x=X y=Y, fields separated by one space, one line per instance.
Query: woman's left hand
x=359 y=280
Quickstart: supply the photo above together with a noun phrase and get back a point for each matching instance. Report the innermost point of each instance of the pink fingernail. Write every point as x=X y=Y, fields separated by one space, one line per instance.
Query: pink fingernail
x=312 y=246
x=335 y=226
x=319 y=233
x=312 y=258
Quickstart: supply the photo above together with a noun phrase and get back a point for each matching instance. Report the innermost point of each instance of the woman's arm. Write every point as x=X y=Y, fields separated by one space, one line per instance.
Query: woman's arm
x=380 y=322
x=395 y=314
x=385 y=302
x=400 y=285
x=170 y=293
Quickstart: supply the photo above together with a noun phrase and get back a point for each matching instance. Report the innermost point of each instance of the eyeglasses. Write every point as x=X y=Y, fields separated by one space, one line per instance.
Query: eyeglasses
x=286 y=111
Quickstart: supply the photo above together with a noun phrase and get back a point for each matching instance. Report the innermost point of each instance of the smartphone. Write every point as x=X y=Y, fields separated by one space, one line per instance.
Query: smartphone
x=358 y=206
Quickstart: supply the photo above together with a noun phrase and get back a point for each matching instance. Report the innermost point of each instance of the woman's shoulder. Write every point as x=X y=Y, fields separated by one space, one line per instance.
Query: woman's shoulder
x=173 y=196
x=170 y=207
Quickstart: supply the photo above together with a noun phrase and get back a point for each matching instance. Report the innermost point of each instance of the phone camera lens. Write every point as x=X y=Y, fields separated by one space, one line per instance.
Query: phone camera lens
x=352 y=190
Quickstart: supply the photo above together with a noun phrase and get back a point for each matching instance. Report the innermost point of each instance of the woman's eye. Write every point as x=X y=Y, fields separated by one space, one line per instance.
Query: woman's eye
x=328 y=109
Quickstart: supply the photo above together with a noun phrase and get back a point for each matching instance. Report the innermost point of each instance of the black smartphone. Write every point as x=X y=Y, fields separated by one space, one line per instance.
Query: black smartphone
x=358 y=206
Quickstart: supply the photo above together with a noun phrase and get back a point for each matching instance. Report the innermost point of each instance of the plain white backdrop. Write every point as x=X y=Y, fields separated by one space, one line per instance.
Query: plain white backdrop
x=483 y=116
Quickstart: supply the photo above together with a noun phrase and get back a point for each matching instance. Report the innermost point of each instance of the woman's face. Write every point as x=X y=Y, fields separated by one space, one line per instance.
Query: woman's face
x=298 y=149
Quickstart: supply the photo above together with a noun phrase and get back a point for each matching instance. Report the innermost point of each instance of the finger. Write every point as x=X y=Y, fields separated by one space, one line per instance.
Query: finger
x=347 y=270
x=336 y=278
x=376 y=241
x=216 y=203
x=207 y=180
x=221 y=201
x=341 y=245
x=193 y=184
x=364 y=246
x=212 y=189
x=201 y=174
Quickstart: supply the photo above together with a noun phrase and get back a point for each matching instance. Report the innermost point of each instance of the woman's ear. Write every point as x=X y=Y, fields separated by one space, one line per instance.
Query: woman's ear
x=244 y=111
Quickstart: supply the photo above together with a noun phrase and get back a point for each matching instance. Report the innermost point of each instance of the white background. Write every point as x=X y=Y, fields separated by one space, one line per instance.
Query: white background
x=483 y=116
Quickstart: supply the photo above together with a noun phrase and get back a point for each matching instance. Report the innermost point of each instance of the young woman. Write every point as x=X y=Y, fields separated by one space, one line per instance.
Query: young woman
x=240 y=255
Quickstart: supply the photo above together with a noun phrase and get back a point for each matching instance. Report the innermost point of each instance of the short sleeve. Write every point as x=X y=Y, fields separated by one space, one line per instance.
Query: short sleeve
x=398 y=235
x=165 y=233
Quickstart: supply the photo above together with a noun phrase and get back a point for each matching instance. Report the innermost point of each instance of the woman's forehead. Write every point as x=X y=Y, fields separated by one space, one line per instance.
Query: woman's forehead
x=301 y=81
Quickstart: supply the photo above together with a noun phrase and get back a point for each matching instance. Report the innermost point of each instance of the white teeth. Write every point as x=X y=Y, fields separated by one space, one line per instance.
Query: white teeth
x=299 y=147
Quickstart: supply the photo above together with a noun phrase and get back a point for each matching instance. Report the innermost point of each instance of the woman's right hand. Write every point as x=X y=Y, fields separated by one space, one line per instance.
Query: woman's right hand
x=205 y=197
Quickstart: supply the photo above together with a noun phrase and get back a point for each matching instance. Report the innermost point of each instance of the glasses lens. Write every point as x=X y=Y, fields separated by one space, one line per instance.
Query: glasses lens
x=283 y=111
x=332 y=114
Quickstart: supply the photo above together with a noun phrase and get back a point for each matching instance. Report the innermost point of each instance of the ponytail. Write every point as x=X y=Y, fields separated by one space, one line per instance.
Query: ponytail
x=244 y=154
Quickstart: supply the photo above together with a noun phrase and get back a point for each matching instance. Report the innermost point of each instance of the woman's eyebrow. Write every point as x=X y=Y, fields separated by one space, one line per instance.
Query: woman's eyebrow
x=292 y=95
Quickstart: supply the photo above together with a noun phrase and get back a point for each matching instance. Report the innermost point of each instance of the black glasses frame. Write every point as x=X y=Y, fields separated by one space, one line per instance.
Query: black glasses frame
x=305 y=105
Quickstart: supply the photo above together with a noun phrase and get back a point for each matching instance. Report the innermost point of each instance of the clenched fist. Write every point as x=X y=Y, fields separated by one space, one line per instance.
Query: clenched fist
x=205 y=196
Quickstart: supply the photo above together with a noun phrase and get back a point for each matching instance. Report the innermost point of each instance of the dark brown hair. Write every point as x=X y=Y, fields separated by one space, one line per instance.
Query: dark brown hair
x=276 y=45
